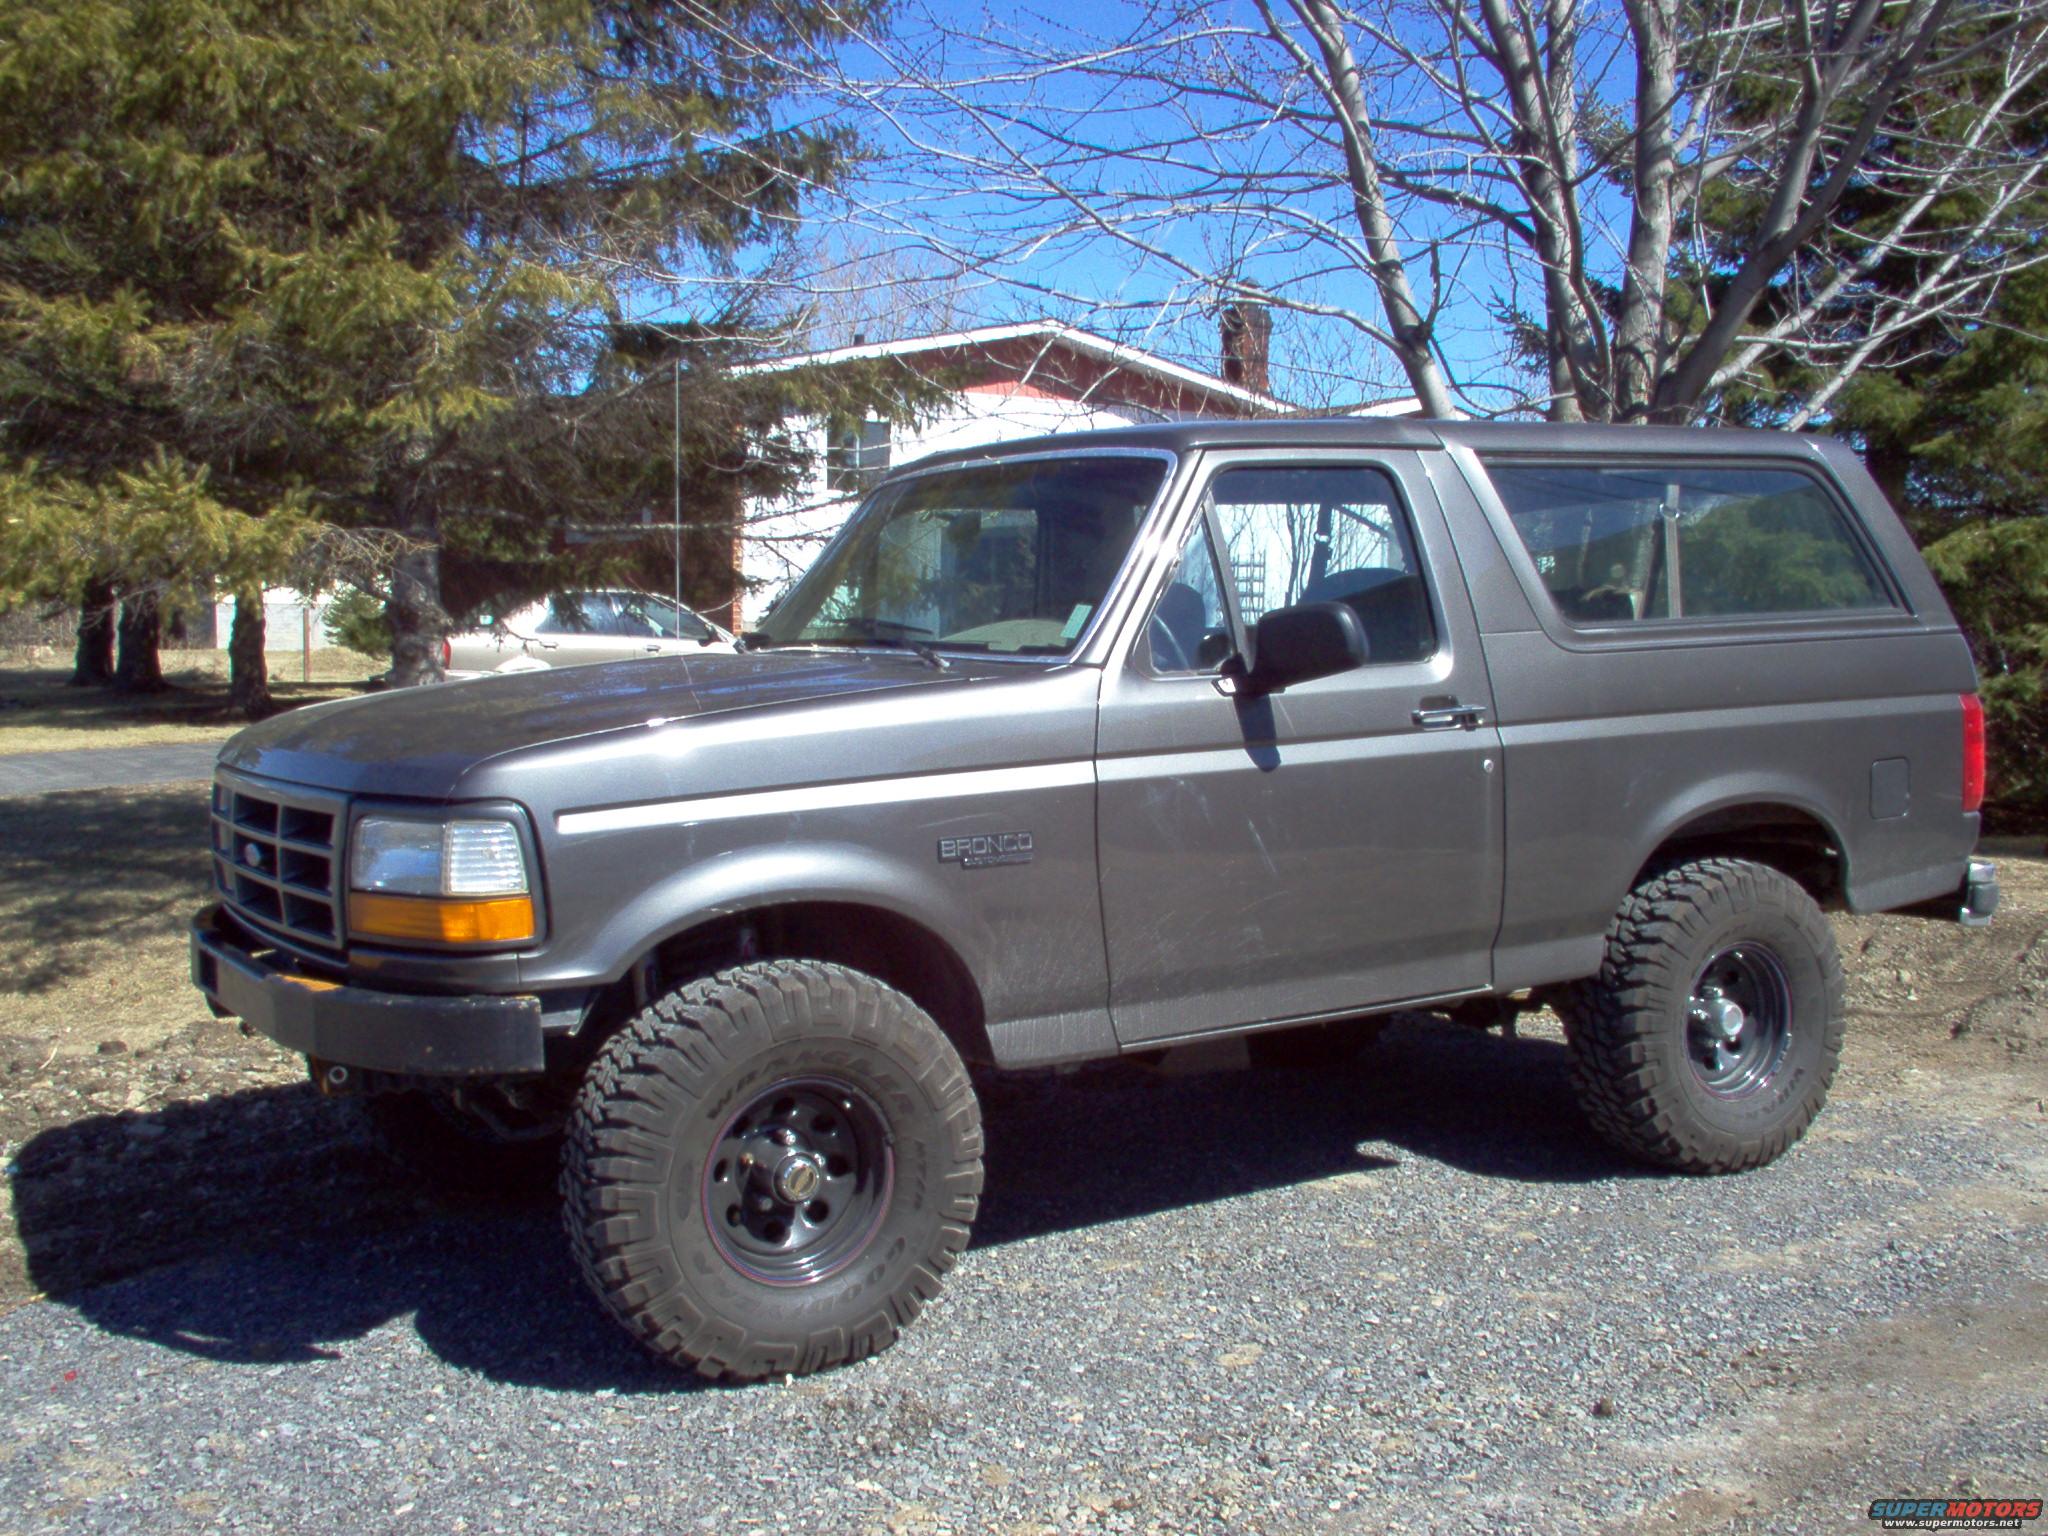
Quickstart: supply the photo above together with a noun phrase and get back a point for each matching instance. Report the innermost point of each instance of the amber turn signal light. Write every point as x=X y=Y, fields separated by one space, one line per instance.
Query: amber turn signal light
x=439 y=920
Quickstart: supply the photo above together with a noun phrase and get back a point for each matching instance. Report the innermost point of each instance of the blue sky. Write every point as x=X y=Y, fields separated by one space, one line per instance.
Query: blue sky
x=1157 y=297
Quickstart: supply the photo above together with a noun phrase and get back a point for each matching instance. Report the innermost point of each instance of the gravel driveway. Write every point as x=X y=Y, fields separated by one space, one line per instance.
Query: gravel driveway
x=1414 y=1297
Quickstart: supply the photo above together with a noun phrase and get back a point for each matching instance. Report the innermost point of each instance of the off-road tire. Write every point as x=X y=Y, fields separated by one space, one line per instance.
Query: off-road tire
x=448 y=1149
x=654 y=1123
x=1630 y=1027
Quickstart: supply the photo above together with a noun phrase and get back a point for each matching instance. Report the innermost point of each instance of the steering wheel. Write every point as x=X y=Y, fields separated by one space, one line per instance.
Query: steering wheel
x=1167 y=655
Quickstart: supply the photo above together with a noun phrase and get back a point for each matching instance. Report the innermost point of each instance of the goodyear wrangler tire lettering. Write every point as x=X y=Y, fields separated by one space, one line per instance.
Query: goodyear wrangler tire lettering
x=1709 y=1038
x=769 y=1170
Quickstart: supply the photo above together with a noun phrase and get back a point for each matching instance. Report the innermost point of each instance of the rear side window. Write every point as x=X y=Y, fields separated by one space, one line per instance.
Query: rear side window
x=1665 y=541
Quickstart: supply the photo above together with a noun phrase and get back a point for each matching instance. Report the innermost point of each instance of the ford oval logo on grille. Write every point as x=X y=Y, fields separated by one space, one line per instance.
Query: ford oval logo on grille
x=252 y=854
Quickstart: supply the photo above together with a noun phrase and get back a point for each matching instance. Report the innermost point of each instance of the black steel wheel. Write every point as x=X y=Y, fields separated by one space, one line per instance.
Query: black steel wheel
x=768 y=1171
x=1739 y=1020
x=798 y=1181
x=1709 y=1037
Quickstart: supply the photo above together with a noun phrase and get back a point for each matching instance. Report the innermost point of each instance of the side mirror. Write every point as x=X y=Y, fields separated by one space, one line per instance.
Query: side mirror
x=1302 y=643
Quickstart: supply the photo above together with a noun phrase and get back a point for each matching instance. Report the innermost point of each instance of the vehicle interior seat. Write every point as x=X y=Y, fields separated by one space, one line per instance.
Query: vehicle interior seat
x=1391 y=606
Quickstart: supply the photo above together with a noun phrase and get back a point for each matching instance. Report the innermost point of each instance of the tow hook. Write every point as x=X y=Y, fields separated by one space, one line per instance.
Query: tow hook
x=334 y=1080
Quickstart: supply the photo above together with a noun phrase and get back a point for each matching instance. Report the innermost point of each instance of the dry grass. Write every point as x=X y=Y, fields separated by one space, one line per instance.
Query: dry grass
x=96 y=887
x=39 y=713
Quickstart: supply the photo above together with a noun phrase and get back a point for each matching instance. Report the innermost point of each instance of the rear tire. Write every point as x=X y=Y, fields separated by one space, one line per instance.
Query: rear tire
x=767 y=1171
x=1709 y=1037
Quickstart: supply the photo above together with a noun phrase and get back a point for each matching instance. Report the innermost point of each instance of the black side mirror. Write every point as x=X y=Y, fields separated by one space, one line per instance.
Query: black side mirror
x=1305 y=642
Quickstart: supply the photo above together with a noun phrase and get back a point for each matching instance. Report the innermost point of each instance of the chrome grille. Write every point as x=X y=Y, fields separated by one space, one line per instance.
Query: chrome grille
x=277 y=858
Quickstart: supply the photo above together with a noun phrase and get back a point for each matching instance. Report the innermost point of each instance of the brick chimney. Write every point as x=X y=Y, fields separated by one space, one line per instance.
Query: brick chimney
x=1248 y=346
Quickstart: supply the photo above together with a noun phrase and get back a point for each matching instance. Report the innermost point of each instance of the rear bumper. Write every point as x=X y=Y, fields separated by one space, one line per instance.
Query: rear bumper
x=1979 y=894
x=476 y=1036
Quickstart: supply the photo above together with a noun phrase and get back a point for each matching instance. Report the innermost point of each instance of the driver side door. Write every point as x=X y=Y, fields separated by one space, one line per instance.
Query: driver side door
x=1321 y=851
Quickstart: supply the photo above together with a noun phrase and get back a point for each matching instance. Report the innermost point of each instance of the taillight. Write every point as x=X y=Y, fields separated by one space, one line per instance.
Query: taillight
x=447 y=653
x=1973 y=752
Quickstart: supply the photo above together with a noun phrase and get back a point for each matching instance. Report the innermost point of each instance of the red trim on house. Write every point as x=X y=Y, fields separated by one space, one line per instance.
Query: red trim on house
x=1035 y=366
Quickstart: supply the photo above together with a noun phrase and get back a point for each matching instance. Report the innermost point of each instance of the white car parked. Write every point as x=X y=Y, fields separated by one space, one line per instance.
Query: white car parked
x=571 y=628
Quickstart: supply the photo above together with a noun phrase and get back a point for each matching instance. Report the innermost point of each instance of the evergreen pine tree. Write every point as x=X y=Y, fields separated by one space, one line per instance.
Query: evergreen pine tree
x=376 y=260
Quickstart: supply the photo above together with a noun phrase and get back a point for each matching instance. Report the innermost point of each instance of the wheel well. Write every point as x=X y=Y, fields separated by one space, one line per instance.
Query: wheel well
x=1782 y=836
x=893 y=949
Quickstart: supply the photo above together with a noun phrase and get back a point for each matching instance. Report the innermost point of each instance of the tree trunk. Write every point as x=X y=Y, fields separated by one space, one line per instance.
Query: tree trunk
x=1639 y=329
x=1412 y=337
x=138 y=668
x=248 y=677
x=92 y=664
x=418 y=622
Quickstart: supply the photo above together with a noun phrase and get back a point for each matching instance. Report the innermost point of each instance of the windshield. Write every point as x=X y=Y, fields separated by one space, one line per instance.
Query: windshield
x=1007 y=557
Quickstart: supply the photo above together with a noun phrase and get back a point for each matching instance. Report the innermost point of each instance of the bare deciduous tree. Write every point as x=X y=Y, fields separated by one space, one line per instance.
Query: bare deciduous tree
x=1606 y=211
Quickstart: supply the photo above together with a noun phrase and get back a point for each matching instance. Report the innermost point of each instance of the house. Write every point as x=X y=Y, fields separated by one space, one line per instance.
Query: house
x=1004 y=382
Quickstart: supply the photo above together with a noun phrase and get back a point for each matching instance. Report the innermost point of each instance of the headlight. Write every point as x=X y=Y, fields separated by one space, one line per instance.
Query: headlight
x=447 y=882
x=437 y=858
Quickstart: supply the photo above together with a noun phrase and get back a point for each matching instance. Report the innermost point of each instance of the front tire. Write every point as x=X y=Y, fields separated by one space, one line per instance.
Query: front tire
x=1709 y=1037
x=767 y=1171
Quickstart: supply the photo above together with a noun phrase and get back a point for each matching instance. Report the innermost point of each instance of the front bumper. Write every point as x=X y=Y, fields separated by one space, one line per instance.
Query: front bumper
x=476 y=1036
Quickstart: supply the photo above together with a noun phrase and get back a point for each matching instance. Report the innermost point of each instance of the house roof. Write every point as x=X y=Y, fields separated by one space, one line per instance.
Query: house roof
x=1048 y=337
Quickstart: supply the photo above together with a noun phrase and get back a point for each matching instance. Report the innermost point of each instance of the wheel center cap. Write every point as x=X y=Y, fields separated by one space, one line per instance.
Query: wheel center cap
x=1727 y=1018
x=797 y=1178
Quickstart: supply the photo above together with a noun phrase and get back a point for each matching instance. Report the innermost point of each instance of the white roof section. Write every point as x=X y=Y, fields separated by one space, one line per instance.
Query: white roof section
x=1404 y=405
x=1050 y=334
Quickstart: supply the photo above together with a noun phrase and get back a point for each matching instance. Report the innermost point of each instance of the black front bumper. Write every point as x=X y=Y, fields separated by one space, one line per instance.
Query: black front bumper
x=356 y=1026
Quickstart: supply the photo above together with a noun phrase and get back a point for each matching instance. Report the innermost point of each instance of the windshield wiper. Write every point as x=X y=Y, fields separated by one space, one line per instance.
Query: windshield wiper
x=918 y=648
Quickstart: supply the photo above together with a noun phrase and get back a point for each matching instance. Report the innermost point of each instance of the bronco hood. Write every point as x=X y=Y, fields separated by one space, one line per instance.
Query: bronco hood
x=421 y=741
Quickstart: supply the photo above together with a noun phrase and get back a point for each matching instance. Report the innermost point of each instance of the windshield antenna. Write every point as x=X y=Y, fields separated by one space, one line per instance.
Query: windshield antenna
x=676 y=457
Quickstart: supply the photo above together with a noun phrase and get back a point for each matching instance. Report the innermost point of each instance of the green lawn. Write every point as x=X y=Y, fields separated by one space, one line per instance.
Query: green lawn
x=39 y=713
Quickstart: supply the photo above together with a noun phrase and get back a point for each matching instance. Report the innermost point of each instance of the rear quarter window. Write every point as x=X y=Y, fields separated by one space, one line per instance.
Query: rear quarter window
x=1616 y=544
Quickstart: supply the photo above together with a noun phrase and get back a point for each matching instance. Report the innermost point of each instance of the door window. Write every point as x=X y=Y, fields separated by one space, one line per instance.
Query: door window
x=578 y=613
x=1307 y=534
x=642 y=617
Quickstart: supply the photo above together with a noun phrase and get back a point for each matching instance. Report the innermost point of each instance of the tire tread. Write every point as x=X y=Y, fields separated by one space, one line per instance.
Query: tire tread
x=1611 y=1019
x=649 y=1074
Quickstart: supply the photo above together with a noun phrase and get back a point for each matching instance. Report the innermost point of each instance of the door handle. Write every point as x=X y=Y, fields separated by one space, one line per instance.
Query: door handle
x=1455 y=717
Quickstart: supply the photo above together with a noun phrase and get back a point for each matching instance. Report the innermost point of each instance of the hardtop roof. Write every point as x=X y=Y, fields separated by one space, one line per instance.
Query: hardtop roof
x=1379 y=432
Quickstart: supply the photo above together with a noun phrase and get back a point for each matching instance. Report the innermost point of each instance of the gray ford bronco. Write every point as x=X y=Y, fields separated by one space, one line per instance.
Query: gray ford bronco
x=1103 y=745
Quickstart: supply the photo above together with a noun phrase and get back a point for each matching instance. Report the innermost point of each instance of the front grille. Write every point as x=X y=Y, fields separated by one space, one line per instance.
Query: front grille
x=277 y=858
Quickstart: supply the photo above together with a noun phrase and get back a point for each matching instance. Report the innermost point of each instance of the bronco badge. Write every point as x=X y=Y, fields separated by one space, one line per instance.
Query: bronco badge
x=985 y=849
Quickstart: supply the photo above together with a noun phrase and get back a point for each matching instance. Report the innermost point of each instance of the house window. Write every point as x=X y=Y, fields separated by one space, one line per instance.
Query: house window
x=856 y=454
